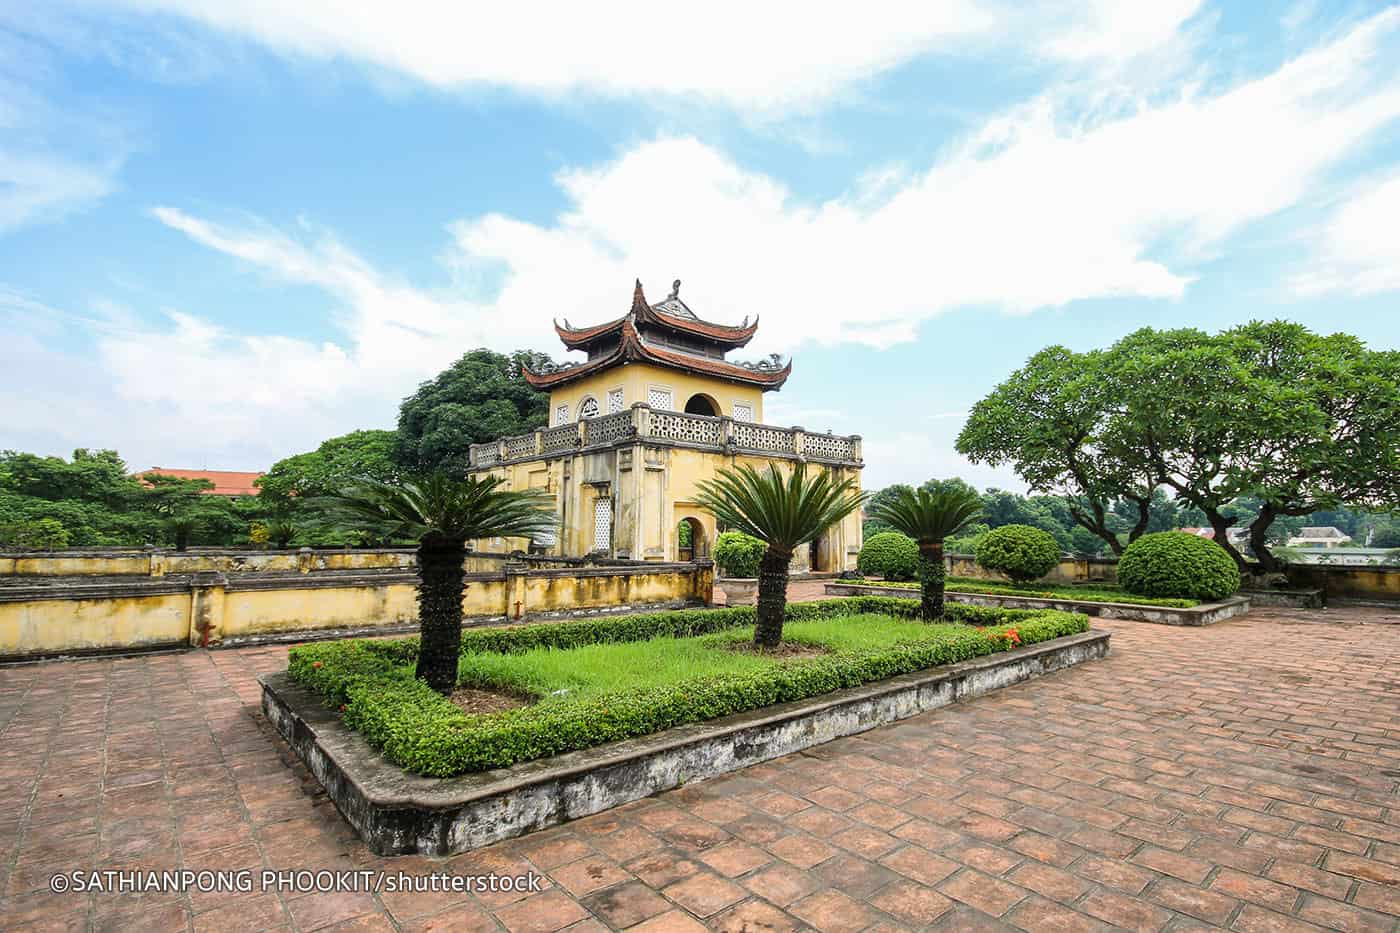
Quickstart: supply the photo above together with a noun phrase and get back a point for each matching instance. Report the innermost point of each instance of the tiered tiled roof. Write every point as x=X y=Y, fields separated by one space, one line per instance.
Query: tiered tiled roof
x=672 y=314
x=624 y=340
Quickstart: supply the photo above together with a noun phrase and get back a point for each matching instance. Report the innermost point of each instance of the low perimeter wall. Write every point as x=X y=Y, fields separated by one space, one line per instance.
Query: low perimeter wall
x=45 y=616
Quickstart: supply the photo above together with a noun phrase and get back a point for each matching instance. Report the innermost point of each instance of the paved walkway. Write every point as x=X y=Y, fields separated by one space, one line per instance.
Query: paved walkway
x=1243 y=775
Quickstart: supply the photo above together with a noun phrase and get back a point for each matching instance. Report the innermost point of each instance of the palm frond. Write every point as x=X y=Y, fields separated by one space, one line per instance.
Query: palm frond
x=785 y=512
x=929 y=515
x=438 y=505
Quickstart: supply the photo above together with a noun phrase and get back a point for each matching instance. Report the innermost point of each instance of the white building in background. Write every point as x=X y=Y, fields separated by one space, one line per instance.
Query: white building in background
x=1319 y=536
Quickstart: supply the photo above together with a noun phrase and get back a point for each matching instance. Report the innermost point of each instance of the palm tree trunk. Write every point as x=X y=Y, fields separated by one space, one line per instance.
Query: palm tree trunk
x=931 y=576
x=772 y=597
x=440 y=611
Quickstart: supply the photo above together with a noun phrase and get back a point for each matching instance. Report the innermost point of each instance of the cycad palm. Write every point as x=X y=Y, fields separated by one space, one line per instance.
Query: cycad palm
x=783 y=512
x=442 y=514
x=929 y=515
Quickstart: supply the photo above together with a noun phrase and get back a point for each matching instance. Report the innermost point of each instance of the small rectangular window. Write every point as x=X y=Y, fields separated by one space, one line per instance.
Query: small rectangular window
x=614 y=401
x=602 y=524
x=659 y=398
x=743 y=412
x=561 y=414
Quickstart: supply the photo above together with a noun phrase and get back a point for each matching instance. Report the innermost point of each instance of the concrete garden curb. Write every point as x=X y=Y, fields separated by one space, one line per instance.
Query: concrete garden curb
x=396 y=812
x=1204 y=614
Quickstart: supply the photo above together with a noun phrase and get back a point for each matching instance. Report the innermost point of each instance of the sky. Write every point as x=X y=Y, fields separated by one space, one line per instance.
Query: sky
x=231 y=230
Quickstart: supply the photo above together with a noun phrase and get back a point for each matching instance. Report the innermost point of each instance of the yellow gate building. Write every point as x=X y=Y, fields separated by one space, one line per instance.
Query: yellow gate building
x=655 y=409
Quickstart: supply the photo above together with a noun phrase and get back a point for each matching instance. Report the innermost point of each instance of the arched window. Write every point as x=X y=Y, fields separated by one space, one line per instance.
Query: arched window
x=588 y=408
x=701 y=404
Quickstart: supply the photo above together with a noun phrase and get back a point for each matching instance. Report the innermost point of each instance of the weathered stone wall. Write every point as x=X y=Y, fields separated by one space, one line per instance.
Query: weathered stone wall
x=1069 y=570
x=48 y=615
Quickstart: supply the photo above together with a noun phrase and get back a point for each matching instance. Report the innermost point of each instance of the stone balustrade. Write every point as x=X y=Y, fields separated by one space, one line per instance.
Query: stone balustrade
x=671 y=428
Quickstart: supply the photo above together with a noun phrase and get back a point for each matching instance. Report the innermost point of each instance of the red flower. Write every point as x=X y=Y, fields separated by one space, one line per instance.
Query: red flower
x=316 y=664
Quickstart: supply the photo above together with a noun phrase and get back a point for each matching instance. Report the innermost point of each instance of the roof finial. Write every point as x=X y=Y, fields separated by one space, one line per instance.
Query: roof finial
x=675 y=290
x=639 y=301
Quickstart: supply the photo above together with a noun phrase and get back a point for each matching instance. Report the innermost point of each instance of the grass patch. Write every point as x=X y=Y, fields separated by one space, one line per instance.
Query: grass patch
x=603 y=680
x=1087 y=592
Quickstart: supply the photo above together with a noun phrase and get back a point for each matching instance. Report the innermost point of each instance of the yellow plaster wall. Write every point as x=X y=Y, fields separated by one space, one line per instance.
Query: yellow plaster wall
x=635 y=379
x=55 y=625
x=159 y=563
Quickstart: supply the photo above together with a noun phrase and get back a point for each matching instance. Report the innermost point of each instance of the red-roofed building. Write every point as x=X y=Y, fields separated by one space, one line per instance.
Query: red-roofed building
x=226 y=482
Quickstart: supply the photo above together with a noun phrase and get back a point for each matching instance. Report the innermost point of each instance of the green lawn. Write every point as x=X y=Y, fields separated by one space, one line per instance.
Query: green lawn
x=1092 y=592
x=603 y=680
x=558 y=674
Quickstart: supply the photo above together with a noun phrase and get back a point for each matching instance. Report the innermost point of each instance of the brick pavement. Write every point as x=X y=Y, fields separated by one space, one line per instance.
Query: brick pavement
x=1242 y=775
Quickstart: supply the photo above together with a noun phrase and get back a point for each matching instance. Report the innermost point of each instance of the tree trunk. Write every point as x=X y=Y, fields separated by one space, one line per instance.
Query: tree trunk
x=931 y=580
x=1097 y=525
x=1221 y=526
x=1258 y=539
x=772 y=597
x=1144 y=517
x=440 y=611
x=182 y=539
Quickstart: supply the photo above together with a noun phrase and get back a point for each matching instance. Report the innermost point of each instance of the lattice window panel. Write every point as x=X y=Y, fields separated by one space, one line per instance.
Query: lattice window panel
x=827 y=447
x=743 y=412
x=561 y=414
x=588 y=409
x=561 y=437
x=615 y=401
x=692 y=428
x=766 y=439
x=608 y=428
x=602 y=524
x=660 y=399
x=520 y=446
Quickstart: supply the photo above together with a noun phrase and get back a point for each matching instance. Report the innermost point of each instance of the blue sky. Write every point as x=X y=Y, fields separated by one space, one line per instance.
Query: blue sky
x=231 y=230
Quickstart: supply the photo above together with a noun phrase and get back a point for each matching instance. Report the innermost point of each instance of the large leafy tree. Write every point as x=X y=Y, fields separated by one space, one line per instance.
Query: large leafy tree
x=1047 y=421
x=477 y=399
x=442 y=514
x=929 y=516
x=786 y=512
x=330 y=467
x=1271 y=410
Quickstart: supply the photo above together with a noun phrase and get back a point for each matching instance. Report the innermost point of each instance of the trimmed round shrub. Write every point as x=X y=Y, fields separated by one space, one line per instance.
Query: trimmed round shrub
x=1021 y=552
x=738 y=554
x=889 y=554
x=1177 y=564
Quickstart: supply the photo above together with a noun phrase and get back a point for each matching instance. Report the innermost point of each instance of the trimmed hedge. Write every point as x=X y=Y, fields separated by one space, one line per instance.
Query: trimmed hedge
x=1084 y=592
x=738 y=554
x=372 y=682
x=1174 y=563
x=1021 y=552
x=891 y=555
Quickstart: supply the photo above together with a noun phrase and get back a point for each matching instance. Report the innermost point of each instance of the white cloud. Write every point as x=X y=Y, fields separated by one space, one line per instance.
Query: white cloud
x=1030 y=211
x=752 y=56
x=44 y=186
x=1357 y=250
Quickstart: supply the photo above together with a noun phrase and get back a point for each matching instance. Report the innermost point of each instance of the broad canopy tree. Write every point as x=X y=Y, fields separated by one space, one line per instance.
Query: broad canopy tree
x=1303 y=422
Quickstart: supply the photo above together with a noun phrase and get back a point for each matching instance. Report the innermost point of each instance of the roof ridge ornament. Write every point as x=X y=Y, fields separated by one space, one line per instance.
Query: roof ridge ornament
x=639 y=300
x=675 y=291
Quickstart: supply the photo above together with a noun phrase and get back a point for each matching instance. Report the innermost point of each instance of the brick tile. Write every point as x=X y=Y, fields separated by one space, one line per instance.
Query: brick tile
x=833 y=911
x=1255 y=919
x=735 y=858
x=704 y=894
x=862 y=840
x=1363 y=868
x=781 y=884
x=920 y=864
x=911 y=903
x=1044 y=848
x=1036 y=913
x=626 y=904
x=754 y=915
x=588 y=875
x=1337 y=916
x=1175 y=864
x=1256 y=890
x=673 y=921
x=541 y=913
x=1311 y=879
x=1120 y=910
x=801 y=850
x=1379 y=897
x=857 y=877
x=1054 y=883
x=1210 y=906
x=987 y=894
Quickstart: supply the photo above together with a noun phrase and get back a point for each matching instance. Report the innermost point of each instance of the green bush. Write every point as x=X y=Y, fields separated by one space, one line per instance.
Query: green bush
x=1174 y=563
x=738 y=554
x=891 y=555
x=41 y=534
x=1021 y=552
x=372 y=682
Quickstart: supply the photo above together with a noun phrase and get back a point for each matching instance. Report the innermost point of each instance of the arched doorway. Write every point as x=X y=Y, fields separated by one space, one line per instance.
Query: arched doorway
x=691 y=543
x=702 y=404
